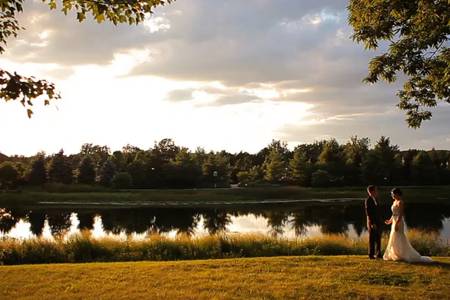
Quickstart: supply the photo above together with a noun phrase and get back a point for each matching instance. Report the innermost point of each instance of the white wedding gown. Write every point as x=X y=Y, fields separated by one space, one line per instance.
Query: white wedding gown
x=399 y=247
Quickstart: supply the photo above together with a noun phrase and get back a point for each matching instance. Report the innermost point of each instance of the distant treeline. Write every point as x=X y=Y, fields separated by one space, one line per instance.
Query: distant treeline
x=166 y=165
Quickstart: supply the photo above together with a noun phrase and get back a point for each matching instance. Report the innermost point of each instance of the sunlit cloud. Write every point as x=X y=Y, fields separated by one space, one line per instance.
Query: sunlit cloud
x=157 y=24
x=323 y=16
x=223 y=75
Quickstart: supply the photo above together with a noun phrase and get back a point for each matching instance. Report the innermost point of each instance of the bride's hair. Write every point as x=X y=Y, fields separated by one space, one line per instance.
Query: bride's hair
x=397 y=191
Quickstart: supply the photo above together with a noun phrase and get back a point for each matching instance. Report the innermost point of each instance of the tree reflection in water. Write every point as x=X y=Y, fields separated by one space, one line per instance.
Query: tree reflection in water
x=335 y=218
x=216 y=221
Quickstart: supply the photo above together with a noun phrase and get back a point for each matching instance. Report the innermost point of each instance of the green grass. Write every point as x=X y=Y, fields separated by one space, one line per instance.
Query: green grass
x=90 y=196
x=85 y=248
x=314 y=277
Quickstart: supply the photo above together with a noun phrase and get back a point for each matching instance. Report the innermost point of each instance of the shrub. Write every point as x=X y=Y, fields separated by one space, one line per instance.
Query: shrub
x=8 y=175
x=121 y=180
x=321 y=178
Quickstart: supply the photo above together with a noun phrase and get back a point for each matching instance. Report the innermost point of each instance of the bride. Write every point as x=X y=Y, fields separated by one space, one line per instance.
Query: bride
x=398 y=247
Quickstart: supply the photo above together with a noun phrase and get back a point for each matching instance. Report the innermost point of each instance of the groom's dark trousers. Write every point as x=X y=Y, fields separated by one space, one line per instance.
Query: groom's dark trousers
x=374 y=219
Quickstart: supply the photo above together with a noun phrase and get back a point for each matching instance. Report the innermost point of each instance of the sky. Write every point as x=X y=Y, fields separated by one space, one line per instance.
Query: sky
x=220 y=74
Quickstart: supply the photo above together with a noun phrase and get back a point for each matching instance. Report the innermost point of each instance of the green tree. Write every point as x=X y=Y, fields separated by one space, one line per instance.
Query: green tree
x=26 y=89
x=242 y=162
x=60 y=169
x=86 y=171
x=331 y=160
x=279 y=146
x=300 y=168
x=423 y=170
x=354 y=152
x=137 y=171
x=275 y=168
x=98 y=154
x=186 y=172
x=439 y=159
x=8 y=175
x=331 y=153
x=3 y=158
x=216 y=170
x=121 y=180
x=321 y=178
x=119 y=161
x=447 y=170
x=379 y=165
x=250 y=177
x=22 y=169
x=38 y=172
x=165 y=150
x=106 y=173
x=417 y=33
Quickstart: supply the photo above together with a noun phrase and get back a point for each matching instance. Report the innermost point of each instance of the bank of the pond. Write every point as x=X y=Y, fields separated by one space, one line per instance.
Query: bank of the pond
x=314 y=277
x=85 y=248
x=90 y=196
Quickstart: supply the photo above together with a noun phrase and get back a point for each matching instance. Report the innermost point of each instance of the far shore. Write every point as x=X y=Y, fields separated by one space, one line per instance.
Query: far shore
x=94 y=196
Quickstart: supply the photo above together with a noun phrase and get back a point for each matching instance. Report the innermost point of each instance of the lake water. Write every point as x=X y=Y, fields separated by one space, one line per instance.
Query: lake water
x=287 y=220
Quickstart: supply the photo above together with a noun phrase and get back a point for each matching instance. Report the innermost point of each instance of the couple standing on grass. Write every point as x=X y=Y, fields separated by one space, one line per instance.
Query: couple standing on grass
x=399 y=247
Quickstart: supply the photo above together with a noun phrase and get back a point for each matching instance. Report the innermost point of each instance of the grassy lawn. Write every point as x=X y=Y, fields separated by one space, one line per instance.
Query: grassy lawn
x=314 y=277
x=89 y=196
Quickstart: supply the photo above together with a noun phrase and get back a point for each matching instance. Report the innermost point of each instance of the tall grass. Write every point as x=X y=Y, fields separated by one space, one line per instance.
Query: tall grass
x=84 y=247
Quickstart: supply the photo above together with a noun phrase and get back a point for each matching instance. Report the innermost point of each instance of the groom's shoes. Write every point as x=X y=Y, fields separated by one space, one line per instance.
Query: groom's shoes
x=371 y=257
x=380 y=256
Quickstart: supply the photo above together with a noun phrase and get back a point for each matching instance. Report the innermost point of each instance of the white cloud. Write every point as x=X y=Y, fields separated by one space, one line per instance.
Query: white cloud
x=157 y=24
x=221 y=74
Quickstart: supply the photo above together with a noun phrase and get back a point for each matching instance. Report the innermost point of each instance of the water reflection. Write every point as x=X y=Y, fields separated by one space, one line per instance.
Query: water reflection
x=290 y=220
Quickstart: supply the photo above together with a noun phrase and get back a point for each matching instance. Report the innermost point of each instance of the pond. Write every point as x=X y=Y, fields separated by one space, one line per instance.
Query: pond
x=287 y=220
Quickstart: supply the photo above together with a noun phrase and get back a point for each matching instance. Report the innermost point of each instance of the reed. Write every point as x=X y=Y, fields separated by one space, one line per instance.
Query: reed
x=84 y=247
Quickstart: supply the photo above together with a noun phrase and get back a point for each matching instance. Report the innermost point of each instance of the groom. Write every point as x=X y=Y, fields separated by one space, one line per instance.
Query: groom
x=374 y=222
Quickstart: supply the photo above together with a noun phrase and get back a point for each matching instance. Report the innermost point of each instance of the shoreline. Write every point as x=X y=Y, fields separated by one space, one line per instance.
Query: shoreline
x=79 y=196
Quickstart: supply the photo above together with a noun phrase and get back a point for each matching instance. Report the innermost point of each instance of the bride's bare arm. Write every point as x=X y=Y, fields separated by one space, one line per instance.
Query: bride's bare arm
x=400 y=215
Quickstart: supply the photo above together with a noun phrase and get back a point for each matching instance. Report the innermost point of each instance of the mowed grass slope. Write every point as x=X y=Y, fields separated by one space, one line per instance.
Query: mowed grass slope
x=68 y=195
x=313 y=277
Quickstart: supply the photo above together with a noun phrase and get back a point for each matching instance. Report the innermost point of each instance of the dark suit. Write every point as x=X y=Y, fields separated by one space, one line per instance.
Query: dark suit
x=373 y=214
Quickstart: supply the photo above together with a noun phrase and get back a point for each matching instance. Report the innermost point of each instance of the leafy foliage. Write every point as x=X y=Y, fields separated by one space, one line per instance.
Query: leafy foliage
x=379 y=164
x=107 y=172
x=115 y=11
x=14 y=86
x=321 y=178
x=300 y=168
x=60 y=169
x=121 y=180
x=417 y=33
x=275 y=164
x=423 y=169
x=322 y=163
x=38 y=172
x=86 y=171
x=8 y=175
x=25 y=89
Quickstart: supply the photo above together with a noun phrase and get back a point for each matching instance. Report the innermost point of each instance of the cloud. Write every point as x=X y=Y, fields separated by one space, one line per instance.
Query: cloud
x=270 y=59
x=210 y=96
x=372 y=124
x=180 y=95
x=235 y=99
x=52 y=37
x=236 y=41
